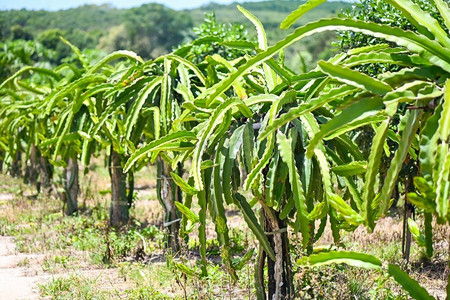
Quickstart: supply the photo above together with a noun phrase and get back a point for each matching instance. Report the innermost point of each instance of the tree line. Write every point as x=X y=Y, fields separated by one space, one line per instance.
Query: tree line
x=150 y=30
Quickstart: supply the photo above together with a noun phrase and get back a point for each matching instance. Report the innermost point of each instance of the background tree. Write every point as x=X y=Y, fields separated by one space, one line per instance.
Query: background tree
x=154 y=29
x=212 y=36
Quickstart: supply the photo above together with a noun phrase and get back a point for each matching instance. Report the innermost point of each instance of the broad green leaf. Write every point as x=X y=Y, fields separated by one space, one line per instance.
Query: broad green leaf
x=67 y=124
x=359 y=113
x=300 y=11
x=272 y=184
x=76 y=106
x=186 y=135
x=442 y=167
x=412 y=124
x=184 y=269
x=113 y=108
x=362 y=121
x=241 y=45
x=241 y=262
x=212 y=123
x=308 y=76
x=183 y=185
x=430 y=50
x=115 y=55
x=156 y=119
x=270 y=144
x=262 y=39
x=218 y=211
x=351 y=169
x=354 y=78
x=423 y=185
x=346 y=143
x=306 y=107
x=262 y=162
x=344 y=210
x=202 y=202
x=444 y=10
x=409 y=284
x=319 y=211
x=415 y=232
x=189 y=65
x=83 y=81
x=184 y=231
x=444 y=121
x=31 y=70
x=165 y=105
x=230 y=151
x=84 y=61
x=376 y=152
x=240 y=91
x=189 y=214
x=399 y=78
x=255 y=227
x=351 y=258
x=285 y=74
x=401 y=59
x=264 y=98
x=66 y=138
x=422 y=202
x=428 y=144
x=443 y=181
x=135 y=109
x=248 y=145
x=262 y=43
x=287 y=208
x=286 y=153
x=87 y=148
x=421 y=20
x=319 y=153
x=31 y=88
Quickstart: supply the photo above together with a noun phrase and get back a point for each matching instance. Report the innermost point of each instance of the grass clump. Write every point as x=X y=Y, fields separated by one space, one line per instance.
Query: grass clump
x=73 y=287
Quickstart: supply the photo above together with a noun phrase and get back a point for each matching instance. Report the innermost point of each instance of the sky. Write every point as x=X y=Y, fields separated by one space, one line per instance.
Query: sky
x=65 y=4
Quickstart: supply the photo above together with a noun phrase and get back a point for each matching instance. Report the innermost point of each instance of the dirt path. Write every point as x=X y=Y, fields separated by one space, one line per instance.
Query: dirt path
x=16 y=282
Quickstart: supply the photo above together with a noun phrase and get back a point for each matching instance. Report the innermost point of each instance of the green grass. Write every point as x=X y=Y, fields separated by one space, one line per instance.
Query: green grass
x=74 y=246
x=90 y=261
x=73 y=287
x=344 y=282
x=153 y=281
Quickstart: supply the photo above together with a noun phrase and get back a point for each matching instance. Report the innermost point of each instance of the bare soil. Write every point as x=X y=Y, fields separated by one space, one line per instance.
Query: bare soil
x=20 y=273
x=16 y=281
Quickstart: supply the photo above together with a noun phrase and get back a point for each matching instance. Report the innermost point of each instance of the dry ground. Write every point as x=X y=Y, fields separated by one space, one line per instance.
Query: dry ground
x=22 y=273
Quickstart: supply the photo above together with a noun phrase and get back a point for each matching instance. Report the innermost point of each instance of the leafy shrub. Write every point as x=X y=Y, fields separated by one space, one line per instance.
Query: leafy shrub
x=214 y=35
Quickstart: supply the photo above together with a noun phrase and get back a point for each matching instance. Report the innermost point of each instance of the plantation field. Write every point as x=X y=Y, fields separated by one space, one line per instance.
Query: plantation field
x=46 y=254
x=230 y=165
